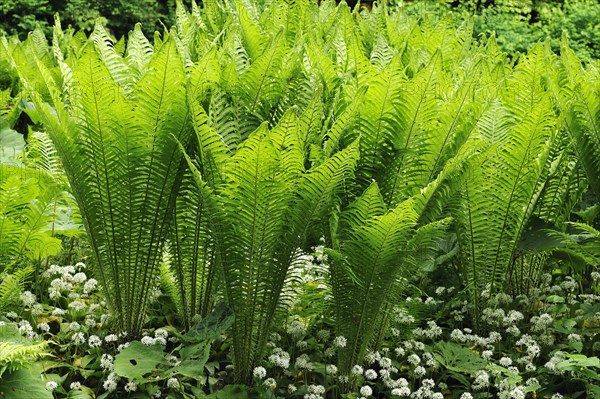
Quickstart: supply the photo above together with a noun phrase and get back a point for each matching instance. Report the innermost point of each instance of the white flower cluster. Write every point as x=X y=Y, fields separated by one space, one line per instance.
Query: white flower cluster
x=280 y=358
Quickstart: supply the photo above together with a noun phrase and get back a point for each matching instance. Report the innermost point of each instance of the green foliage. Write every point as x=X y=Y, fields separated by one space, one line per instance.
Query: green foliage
x=116 y=131
x=519 y=24
x=230 y=145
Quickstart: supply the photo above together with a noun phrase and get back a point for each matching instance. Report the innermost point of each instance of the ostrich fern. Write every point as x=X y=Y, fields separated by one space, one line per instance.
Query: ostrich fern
x=116 y=122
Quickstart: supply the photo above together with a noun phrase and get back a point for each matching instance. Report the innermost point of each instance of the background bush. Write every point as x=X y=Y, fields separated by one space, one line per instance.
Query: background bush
x=519 y=24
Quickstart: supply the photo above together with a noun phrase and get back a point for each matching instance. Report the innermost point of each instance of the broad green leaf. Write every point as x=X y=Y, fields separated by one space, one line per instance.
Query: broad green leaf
x=23 y=383
x=137 y=361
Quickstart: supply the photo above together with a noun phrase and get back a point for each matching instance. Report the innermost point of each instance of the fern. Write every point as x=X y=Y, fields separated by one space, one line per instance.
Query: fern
x=117 y=143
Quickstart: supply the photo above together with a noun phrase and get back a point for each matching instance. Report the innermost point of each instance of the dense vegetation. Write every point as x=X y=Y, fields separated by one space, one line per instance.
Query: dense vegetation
x=298 y=200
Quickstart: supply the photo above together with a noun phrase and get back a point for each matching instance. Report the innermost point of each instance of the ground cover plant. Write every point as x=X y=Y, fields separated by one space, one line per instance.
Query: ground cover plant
x=293 y=199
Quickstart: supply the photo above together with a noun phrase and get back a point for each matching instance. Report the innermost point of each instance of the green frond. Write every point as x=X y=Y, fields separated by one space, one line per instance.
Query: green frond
x=371 y=251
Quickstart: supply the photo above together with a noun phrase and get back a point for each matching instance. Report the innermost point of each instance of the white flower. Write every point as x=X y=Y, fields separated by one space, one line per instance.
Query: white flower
x=90 y=285
x=303 y=362
x=316 y=389
x=574 y=337
x=518 y=393
x=366 y=390
x=557 y=396
x=111 y=338
x=292 y=388
x=78 y=305
x=466 y=395
x=27 y=298
x=482 y=380
x=385 y=362
x=271 y=383
x=295 y=328
x=174 y=383
x=340 y=342
x=420 y=371
x=414 y=359
x=74 y=326
x=505 y=361
x=80 y=265
x=259 y=372
x=94 y=341
x=43 y=327
x=357 y=370
x=149 y=341
x=78 y=338
x=161 y=333
x=131 y=386
x=109 y=385
x=79 y=278
x=402 y=391
x=106 y=362
x=331 y=369
x=370 y=374
x=280 y=358
x=75 y=386
x=51 y=385
x=58 y=312
x=37 y=309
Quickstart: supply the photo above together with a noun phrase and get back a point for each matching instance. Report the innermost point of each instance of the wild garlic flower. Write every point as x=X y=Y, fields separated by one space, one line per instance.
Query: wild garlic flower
x=259 y=372
x=271 y=383
x=51 y=385
x=340 y=342
x=574 y=337
x=90 y=285
x=27 y=298
x=419 y=371
x=107 y=362
x=356 y=370
x=147 y=340
x=482 y=381
x=303 y=362
x=75 y=386
x=78 y=305
x=316 y=389
x=79 y=278
x=110 y=384
x=466 y=395
x=131 y=386
x=111 y=338
x=414 y=359
x=331 y=369
x=403 y=392
x=385 y=362
x=370 y=374
x=78 y=338
x=43 y=327
x=174 y=382
x=94 y=341
x=280 y=358
x=295 y=329
x=366 y=390
x=505 y=361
